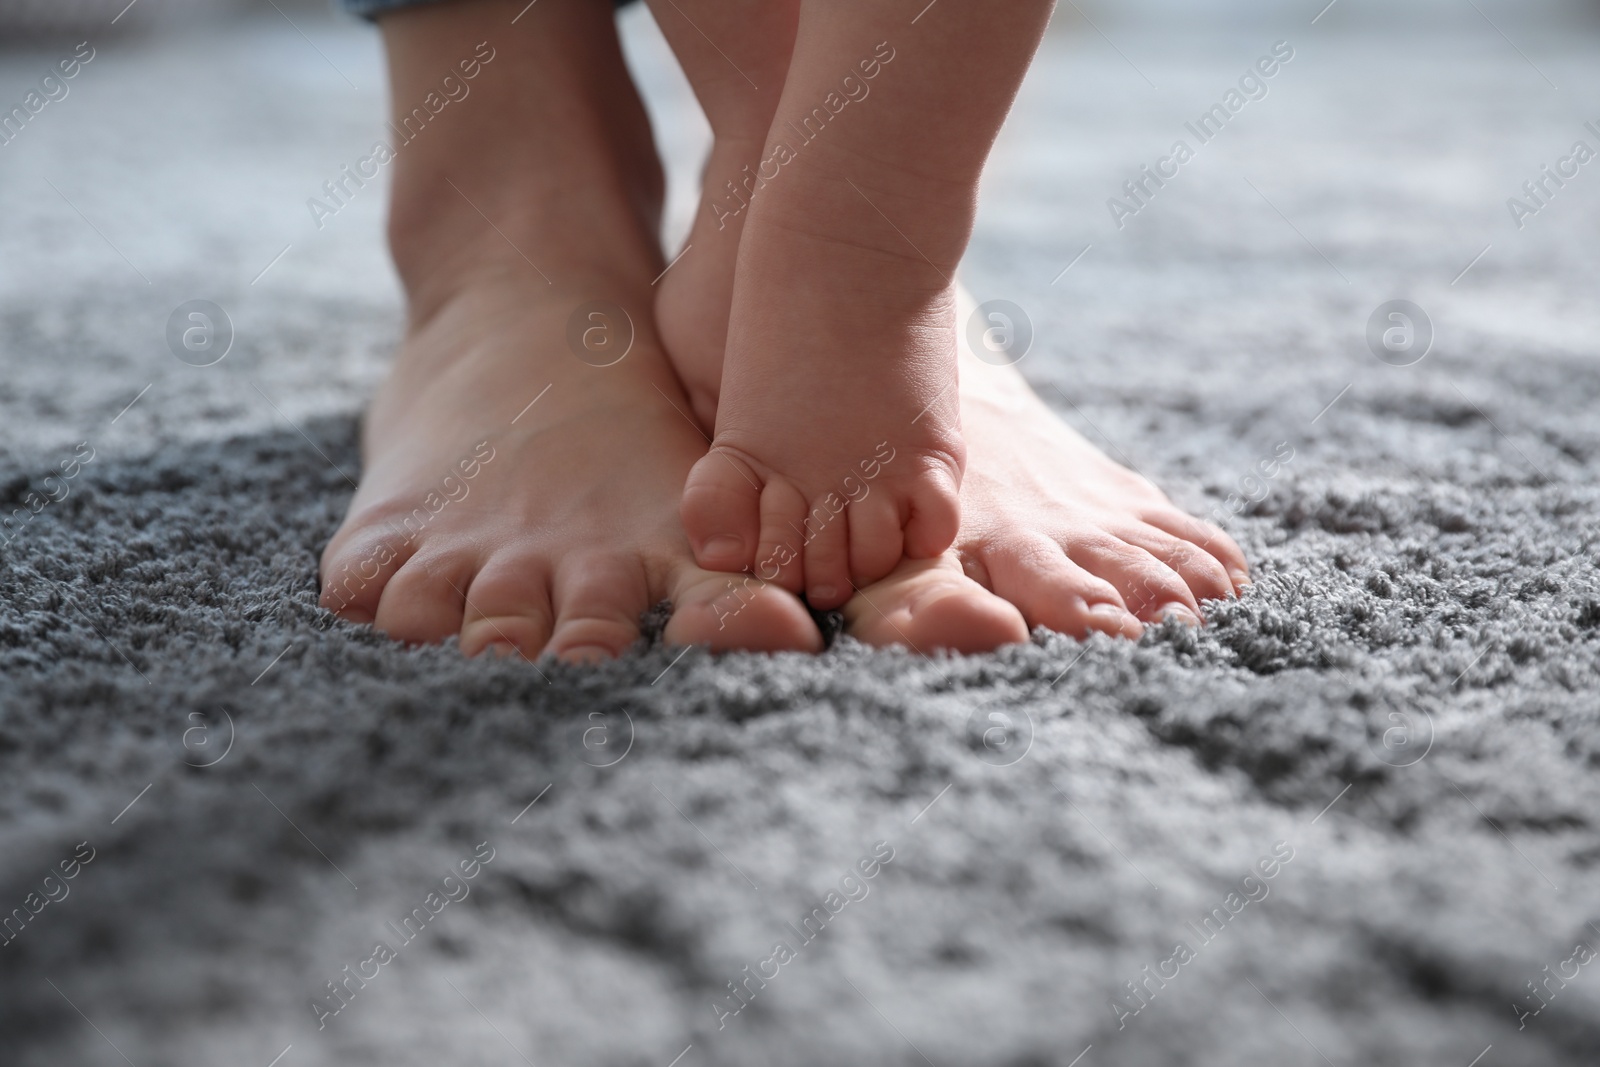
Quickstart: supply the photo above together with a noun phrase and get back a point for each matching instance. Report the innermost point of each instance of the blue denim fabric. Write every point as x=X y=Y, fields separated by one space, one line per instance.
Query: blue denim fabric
x=371 y=9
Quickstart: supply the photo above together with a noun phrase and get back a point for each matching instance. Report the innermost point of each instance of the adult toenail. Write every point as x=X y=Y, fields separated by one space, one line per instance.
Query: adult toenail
x=1113 y=620
x=724 y=546
x=1178 y=613
x=1109 y=614
x=587 y=654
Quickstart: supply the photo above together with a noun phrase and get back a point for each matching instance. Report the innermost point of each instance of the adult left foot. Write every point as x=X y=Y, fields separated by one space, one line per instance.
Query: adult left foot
x=1053 y=534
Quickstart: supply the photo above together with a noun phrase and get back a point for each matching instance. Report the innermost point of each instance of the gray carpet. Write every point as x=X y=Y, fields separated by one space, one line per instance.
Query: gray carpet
x=1404 y=706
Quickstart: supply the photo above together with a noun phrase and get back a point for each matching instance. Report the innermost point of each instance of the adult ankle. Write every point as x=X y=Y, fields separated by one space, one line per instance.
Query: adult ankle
x=449 y=231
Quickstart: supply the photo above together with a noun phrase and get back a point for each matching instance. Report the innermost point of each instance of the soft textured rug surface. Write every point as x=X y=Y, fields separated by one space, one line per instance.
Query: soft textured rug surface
x=1363 y=800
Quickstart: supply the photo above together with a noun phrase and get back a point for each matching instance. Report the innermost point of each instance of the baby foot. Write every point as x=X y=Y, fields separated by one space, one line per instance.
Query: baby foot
x=1052 y=530
x=837 y=448
x=841 y=358
x=516 y=496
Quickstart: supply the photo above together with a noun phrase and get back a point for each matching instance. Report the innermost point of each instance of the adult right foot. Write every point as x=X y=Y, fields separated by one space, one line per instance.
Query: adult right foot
x=526 y=501
x=514 y=492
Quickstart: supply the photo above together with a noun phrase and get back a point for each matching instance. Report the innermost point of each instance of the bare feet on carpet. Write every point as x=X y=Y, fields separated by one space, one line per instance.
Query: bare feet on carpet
x=530 y=500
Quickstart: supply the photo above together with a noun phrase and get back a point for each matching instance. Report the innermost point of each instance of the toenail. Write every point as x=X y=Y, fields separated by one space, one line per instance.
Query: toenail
x=723 y=546
x=502 y=649
x=587 y=654
x=1178 y=613
x=1109 y=614
x=1240 y=578
x=823 y=593
x=1114 y=620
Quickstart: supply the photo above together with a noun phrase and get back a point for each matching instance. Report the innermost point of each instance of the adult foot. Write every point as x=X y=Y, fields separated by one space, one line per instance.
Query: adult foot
x=1053 y=534
x=527 y=501
x=523 y=464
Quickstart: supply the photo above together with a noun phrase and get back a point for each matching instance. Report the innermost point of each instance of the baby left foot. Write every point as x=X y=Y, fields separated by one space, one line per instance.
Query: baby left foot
x=836 y=449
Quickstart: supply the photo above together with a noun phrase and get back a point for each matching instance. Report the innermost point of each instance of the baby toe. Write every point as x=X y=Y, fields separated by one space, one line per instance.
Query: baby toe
x=933 y=508
x=780 y=557
x=721 y=511
x=827 y=554
x=877 y=541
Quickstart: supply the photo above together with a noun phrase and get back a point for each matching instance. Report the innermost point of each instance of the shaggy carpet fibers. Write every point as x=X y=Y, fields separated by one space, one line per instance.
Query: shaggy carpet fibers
x=1362 y=798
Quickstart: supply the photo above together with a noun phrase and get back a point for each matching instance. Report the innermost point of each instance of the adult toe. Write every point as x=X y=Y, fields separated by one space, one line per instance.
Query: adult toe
x=1209 y=538
x=425 y=600
x=356 y=566
x=598 y=601
x=932 y=604
x=1150 y=588
x=508 y=607
x=1205 y=575
x=735 y=611
x=1052 y=591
